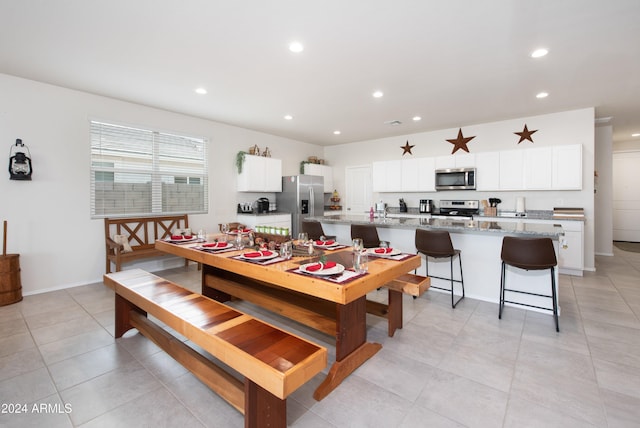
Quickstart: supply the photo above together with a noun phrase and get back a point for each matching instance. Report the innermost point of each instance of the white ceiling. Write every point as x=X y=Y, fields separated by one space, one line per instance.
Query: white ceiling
x=452 y=62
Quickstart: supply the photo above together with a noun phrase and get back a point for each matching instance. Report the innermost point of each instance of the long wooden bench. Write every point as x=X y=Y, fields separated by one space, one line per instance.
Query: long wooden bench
x=141 y=233
x=414 y=285
x=274 y=363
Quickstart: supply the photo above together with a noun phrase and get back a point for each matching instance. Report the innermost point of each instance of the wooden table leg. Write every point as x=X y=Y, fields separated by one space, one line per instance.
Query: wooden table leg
x=352 y=348
x=394 y=316
x=263 y=409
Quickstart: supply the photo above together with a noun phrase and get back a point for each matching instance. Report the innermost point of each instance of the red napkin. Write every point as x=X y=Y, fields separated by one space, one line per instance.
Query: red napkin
x=176 y=237
x=320 y=266
x=216 y=245
x=188 y=236
x=258 y=254
x=325 y=243
x=383 y=250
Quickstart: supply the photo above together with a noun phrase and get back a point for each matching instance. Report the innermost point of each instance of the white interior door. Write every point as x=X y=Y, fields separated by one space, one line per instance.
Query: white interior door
x=358 y=188
x=626 y=197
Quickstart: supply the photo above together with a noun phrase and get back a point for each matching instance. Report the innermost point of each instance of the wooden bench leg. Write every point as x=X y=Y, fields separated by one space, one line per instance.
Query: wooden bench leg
x=263 y=409
x=123 y=317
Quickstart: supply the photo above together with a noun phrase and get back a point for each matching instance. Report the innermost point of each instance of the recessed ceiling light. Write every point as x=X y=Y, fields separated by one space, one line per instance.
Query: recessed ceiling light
x=417 y=118
x=296 y=47
x=538 y=53
x=378 y=94
x=201 y=91
x=637 y=134
x=542 y=95
x=337 y=132
x=288 y=117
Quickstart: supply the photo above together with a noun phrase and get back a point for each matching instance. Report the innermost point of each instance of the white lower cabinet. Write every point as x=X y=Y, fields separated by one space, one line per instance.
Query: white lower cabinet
x=571 y=247
x=253 y=220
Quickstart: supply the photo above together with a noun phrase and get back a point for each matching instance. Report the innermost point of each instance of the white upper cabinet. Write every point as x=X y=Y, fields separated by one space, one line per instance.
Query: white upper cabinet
x=458 y=160
x=567 y=167
x=511 y=163
x=387 y=176
x=323 y=171
x=260 y=174
x=405 y=175
x=488 y=171
x=537 y=168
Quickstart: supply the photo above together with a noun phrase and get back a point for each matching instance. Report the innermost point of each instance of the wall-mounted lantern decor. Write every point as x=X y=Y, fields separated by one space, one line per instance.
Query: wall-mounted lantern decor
x=20 y=162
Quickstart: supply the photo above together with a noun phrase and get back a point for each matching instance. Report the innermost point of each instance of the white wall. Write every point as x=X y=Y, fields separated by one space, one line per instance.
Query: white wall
x=571 y=127
x=603 y=195
x=49 y=219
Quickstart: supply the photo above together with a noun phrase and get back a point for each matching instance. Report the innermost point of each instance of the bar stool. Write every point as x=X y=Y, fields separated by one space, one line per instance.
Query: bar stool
x=314 y=230
x=529 y=254
x=437 y=244
x=368 y=233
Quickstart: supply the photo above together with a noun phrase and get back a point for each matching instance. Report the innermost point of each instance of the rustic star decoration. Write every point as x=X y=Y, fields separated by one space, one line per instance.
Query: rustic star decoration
x=525 y=134
x=460 y=142
x=407 y=148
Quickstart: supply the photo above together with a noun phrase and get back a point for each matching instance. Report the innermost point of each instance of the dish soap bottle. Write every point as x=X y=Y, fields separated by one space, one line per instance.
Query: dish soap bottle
x=371 y=213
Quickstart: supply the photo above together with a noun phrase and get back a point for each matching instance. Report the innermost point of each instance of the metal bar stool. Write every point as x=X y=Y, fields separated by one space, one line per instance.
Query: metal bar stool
x=529 y=254
x=314 y=230
x=368 y=233
x=437 y=244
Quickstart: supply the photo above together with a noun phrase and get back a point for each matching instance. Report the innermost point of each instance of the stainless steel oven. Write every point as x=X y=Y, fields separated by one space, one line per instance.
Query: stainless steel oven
x=456 y=179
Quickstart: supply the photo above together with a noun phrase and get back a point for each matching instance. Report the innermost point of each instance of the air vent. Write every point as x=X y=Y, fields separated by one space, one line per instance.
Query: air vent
x=393 y=122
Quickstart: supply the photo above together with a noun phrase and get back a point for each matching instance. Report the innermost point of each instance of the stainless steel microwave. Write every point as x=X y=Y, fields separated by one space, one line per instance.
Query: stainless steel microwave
x=456 y=179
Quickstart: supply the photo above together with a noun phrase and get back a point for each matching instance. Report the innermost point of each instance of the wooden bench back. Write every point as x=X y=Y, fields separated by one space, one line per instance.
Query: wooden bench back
x=144 y=231
x=278 y=361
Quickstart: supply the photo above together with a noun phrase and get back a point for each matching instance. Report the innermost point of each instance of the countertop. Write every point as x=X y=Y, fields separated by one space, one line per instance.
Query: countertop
x=266 y=214
x=530 y=214
x=452 y=225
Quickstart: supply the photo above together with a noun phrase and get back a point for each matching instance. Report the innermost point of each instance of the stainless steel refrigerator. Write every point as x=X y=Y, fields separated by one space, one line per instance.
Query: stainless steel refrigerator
x=302 y=196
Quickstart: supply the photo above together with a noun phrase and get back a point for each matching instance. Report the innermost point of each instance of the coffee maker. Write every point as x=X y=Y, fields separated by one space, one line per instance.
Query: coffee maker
x=426 y=206
x=262 y=205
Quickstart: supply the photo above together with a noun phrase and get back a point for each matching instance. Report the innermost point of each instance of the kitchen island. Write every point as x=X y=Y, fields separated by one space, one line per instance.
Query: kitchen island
x=480 y=243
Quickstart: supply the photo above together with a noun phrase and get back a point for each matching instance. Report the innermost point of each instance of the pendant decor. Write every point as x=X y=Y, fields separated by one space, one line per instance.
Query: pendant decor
x=460 y=142
x=407 y=148
x=525 y=134
x=19 y=162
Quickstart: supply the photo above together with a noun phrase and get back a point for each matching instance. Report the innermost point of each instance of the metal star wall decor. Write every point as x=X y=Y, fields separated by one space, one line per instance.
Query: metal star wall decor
x=460 y=142
x=407 y=148
x=525 y=134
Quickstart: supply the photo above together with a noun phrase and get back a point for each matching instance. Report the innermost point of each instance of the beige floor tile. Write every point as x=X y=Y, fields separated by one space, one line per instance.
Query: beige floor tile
x=47 y=412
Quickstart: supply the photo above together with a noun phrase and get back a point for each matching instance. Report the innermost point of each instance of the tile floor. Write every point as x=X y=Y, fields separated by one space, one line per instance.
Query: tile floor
x=447 y=368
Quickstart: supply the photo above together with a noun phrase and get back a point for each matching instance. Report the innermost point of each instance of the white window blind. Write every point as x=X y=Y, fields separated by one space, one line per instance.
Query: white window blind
x=136 y=172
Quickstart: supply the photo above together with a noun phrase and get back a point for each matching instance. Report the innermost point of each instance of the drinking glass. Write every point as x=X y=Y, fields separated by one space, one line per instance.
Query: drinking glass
x=239 y=241
x=303 y=237
x=360 y=261
x=384 y=244
x=224 y=228
x=202 y=235
x=358 y=245
x=285 y=250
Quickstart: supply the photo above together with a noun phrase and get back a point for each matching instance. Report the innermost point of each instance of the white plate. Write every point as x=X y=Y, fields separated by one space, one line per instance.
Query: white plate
x=338 y=268
x=393 y=252
x=242 y=232
x=273 y=255
x=334 y=244
x=193 y=238
x=217 y=247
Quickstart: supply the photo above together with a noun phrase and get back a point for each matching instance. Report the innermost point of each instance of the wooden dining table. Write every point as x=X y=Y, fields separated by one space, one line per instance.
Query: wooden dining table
x=337 y=309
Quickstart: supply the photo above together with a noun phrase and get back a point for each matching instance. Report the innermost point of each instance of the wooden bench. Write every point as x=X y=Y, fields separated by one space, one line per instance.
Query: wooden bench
x=414 y=285
x=274 y=363
x=142 y=233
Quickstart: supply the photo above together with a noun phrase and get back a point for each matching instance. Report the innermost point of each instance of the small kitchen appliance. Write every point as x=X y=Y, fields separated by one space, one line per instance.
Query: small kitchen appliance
x=262 y=205
x=426 y=206
x=403 y=206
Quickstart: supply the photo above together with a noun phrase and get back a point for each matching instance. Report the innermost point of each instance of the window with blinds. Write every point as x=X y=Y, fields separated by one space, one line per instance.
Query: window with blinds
x=141 y=172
